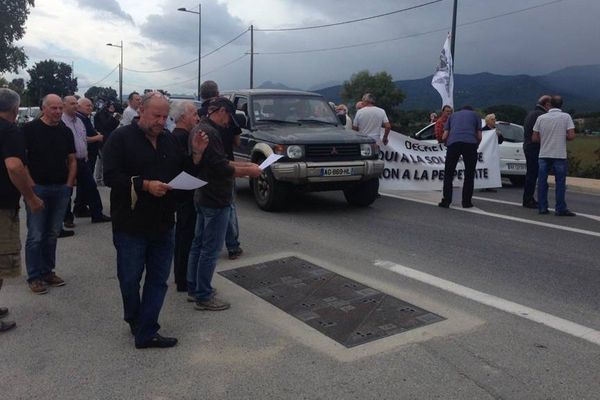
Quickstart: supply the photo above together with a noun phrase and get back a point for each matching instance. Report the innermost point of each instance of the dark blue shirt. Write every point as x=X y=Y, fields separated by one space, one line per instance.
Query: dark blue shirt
x=89 y=131
x=462 y=126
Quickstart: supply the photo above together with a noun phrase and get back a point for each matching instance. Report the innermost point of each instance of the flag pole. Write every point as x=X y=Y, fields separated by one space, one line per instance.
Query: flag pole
x=453 y=37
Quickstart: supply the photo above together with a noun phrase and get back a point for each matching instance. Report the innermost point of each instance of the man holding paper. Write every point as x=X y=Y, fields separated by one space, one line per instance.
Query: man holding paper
x=213 y=203
x=138 y=159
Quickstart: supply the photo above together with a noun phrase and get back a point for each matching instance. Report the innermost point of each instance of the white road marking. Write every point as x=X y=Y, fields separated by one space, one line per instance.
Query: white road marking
x=513 y=203
x=501 y=216
x=560 y=324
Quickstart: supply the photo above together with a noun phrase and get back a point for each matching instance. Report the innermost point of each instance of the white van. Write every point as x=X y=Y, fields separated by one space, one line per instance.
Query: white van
x=27 y=114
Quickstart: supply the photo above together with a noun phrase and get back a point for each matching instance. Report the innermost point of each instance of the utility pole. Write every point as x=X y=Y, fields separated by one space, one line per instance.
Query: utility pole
x=453 y=37
x=121 y=75
x=199 y=42
x=251 y=56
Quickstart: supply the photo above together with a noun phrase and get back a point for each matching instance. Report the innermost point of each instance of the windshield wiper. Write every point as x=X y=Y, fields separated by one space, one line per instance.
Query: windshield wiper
x=281 y=121
x=318 y=121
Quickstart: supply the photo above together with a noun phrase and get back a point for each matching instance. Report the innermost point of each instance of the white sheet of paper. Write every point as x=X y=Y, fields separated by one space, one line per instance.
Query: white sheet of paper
x=270 y=160
x=185 y=181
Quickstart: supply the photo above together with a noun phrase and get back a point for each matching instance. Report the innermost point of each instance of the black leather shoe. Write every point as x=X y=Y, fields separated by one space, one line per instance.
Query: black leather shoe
x=566 y=213
x=65 y=233
x=102 y=218
x=83 y=213
x=467 y=205
x=158 y=342
x=531 y=204
x=443 y=204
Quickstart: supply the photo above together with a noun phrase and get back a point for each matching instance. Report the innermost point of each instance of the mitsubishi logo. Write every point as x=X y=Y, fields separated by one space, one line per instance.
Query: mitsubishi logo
x=334 y=151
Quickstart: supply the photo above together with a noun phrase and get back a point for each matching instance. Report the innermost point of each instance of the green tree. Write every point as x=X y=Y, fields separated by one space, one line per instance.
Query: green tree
x=380 y=85
x=507 y=113
x=18 y=85
x=3 y=82
x=97 y=92
x=49 y=76
x=13 y=14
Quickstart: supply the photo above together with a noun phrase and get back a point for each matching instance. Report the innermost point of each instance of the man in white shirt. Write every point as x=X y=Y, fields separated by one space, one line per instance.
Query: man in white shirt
x=552 y=130
x=370 y=119
x=134 y=101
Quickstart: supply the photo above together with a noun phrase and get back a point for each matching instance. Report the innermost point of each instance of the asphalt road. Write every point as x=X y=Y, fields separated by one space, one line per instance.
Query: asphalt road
x=72 y=344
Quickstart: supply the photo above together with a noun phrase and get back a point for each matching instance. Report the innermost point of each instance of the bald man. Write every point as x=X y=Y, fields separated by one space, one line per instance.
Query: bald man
x=53 y=168
x=139 y=160
x=87 y=191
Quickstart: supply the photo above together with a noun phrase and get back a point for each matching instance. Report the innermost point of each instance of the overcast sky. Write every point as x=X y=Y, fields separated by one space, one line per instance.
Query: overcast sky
x=156 y=36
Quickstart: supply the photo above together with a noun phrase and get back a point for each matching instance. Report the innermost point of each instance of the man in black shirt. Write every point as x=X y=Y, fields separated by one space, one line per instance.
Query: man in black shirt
x=138 y=161
x=185 y=115
x=213 y=203
x=53 y=167
x=14 y=181
x=532 y=151
x=230 y=137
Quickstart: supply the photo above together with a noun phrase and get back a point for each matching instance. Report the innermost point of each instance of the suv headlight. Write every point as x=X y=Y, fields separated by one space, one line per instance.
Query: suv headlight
x=295 y=152
x=366 y=149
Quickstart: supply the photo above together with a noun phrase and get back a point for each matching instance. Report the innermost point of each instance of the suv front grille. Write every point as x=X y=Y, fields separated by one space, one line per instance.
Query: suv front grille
x=333 y=152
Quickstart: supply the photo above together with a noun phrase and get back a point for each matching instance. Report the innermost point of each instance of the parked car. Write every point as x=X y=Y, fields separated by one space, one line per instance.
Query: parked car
x=318 y=153
x=512 y=158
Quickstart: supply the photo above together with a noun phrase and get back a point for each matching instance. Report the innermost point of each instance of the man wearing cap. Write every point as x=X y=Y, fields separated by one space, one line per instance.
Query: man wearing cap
x=213 y=203
x=139 y=160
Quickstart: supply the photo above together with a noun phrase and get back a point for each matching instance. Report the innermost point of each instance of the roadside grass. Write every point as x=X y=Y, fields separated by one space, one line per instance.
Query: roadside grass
x=583 y=148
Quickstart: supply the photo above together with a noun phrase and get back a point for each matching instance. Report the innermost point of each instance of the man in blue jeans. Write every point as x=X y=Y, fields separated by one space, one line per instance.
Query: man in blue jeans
x=552 y=130
x=138 y=161
x=213 y=205
x=53 y=168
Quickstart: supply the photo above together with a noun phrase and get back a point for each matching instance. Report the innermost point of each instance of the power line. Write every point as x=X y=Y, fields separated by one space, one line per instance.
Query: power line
x=206 y=73
x=189 y=62
x=101 y=80
x=350 y=21
x=407 y=36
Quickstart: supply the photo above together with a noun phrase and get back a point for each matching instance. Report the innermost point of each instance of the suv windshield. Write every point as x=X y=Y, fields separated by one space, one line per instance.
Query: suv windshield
x=292 y=108
x=510 y=132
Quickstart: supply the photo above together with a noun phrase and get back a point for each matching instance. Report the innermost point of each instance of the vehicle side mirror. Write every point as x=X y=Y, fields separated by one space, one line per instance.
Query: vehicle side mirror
x=241 y=119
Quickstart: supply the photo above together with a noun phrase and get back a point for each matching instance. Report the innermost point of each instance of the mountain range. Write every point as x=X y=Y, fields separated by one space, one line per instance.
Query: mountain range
x=579 y=86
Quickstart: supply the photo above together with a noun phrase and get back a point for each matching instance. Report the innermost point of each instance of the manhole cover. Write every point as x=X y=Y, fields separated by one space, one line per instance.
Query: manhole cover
x=346 y=311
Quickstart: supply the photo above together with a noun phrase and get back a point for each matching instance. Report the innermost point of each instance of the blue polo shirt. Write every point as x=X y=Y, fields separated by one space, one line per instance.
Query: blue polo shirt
x=462 y=126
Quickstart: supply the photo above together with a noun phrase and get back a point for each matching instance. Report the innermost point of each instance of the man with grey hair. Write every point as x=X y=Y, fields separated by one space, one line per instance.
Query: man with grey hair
x=370 y=119
x=53 y=167
x=185 y=115
x=14 y=181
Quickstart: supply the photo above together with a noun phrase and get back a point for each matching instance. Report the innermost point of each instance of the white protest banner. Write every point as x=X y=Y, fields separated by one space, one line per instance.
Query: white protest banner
x=419 y=165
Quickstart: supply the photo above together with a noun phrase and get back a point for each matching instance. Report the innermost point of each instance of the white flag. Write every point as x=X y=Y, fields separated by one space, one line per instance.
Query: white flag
x=443 y=79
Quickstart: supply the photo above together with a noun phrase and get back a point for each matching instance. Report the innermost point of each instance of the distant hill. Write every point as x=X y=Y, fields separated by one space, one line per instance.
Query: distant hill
x=580 y=86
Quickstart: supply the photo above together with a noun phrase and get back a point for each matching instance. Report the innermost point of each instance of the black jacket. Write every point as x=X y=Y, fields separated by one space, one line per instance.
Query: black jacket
x=129 y=157
x=530 y=122
x=105 y=123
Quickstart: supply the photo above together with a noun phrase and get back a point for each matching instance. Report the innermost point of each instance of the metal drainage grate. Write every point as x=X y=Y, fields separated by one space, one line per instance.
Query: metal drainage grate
x=346 y=311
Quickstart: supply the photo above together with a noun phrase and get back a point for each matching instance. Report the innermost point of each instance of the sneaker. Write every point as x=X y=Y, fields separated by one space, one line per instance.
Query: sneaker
x=192 y=299
x=7 y=325
x=53 y=280
x=38 y=287
x=212 y=304
x=234 y=254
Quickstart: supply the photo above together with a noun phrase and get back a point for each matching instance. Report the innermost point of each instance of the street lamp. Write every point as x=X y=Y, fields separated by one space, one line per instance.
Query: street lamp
x=120 y=70
x=199 y=12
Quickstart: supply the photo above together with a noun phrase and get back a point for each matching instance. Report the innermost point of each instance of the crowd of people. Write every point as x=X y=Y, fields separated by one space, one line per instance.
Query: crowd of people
x=154 y=225
x=546 y=132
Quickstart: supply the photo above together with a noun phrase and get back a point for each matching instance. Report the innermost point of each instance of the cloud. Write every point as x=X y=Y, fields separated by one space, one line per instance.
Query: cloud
x=107 y=6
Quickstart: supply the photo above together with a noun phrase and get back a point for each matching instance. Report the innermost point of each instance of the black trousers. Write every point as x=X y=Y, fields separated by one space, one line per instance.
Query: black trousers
x=532 y=153
x=184 y=235
x=468 y=151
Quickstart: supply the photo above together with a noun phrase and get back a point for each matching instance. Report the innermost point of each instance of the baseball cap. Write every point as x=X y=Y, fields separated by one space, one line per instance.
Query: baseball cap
x=218 y=102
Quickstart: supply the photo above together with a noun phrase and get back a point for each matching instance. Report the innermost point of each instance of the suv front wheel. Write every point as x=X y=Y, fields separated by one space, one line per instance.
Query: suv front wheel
x=363 y=194
x=269 y=194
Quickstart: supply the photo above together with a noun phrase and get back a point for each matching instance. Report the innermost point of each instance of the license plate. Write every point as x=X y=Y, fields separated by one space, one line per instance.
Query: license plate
x=517 y=167
x=336 y=171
